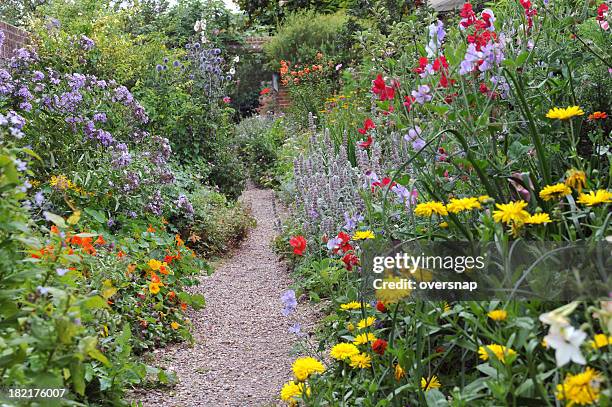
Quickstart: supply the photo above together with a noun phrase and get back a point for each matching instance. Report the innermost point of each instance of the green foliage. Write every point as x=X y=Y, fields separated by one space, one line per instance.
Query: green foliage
x=273 y=13
x=304 y=34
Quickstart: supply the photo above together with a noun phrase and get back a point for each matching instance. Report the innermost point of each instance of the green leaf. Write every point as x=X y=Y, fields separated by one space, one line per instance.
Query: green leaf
x=435 y=398
x=77 y=374
x=97 y=215
x=56 y=219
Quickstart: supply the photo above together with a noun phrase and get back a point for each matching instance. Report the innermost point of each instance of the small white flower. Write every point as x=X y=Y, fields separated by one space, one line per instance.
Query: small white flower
x=237 y=58
x=197 y=27
x=232 y=71
x=566 y=341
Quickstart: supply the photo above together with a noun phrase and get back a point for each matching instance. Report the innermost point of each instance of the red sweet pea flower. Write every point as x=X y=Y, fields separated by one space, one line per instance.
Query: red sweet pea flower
x=299 y=244
x=264 y=91
x=350 y=260
x=423 y=61
x=379 y=346
x=439 y=63
x=368 y=124
x=408 y=100
x=367 y=143
x=380 y=88
x=380 y=306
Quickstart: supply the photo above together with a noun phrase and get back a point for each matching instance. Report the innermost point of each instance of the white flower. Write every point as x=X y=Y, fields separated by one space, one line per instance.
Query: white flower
x=232 y=71
x=237 y=58
x=566 y=341
x=197 y=27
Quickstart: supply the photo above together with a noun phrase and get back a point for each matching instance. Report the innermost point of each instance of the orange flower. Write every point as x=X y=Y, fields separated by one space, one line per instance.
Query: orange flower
x=155 y=278
x=598 y=116
x=151 y=229
x=130 y=269
x=54 y=230
x=154 y=288
x=183 y=306
x=174 y=325
x=163 y=269
x=120 y=254
x=100 y=240
x=172 y=295
x=179 y=241
x=164 y=221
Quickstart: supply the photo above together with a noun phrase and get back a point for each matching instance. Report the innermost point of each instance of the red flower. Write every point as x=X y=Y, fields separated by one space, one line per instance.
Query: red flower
x=408 y=100
x=380 y=88
x=368 y=124
x=379 y=346
x=483 y=89
x=299 y=244
x=380 y=306
x=350 y=260
x=264 y=91
x=423 y=61
x=367 y=143
x=440 y=63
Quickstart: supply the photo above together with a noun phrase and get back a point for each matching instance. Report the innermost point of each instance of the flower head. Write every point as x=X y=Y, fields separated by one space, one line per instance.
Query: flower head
x=399 y=372
x=581 y=389
x=352 y=305
x=291 y=390
x=364 y=323
x=564 y=113
x=361 y=361
x=430 y=383
x=343 y=351
x=462 y=204
x=498 y=315
x=379 y=346
x=593 y=198
x=363 y=235
x=299 y=244
x=304 y=367
x=500 y=352
x=364 y=338
x=512 y=212
x=426 y=209
x=556 y=191
x=154 y=288
x=601 y=341
x=575 y=179
x=598 y=116
x=538 y=219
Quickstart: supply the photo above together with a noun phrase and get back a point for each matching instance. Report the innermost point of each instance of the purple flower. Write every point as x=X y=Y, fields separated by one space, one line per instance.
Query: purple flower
x=24 y=92
x=295 y=328
x=289 y=302
x=38 y=76
x=1 y=38
x=155 y=204
x=436 y=36
x=421 y=95
x=100 y=117
x=39 y=198
x=334 y=243
x=413 y=134
x=15 y=119
x=42 y=290
x=121 y=156
x=105 y=138
x=132 y=182
x=86 y=43
x=469 y=60
x=351 y=222
x=76 y=81
x=25 y=106
x=418 y=144
x=122 y=94
x=60 y=272
x=183 y=203
x=110 y=223
x=20 y=165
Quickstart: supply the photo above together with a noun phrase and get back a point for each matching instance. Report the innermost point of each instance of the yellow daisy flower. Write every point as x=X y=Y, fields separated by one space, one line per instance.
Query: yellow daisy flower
x=512 y=212
x=361 y=361
x=498 y=315
x=154 y=288
x=306 y=366
x=362 y=235
x=500 y=352
x=426 y=209
x=342 y=351
x=581 y=389
x=575 y=179
x=564 y=113
x=538 y=219
x=430 y=383
x=362 y=339
x=364 y=323
x=601 y=341
x=462 y=204
x=291 y=390
x=595 y=197
x=352 y=305
x=556 y=191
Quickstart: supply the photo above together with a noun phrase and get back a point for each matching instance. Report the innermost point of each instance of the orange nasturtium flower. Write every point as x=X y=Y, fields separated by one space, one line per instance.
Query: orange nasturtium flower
x=175 y=325
x=154 y=264
x=155 y=278
x=179 y=241
x=154 y=288
x=150 y=229
x=598 y=116
x=184 y=306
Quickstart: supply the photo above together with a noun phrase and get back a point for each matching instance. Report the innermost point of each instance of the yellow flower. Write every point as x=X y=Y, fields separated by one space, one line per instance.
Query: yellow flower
x=556 y=191
x=399 y=372
x=483 y=198
x=595 y=197
x=342 y=351
x=362 y=235
x=61 y=182
x=500 y=352
x=462 y=204
x=304 y=367
x=154 y=288
x=362 y=339
x=582 y=389
x=430 y=383
x=350 y=327
x=291 y=390
x=175 y=325
x=601 y=341
x=512 y=212
x=364 y=323
x=443 y=225
x=575 y=179
x=446 y=307
x=498 y=315
x=427 y=209
x=393 y=289
x=538 y=219
x=154 y=264
x=361 y=361
x=564 y=113
x=352 y=305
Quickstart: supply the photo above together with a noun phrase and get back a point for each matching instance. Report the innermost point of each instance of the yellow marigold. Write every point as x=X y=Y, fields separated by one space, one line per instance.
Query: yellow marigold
x=512 y=212
x=154 y=288
x=538 y=219
x=500 y=352
x=556 y=191
x=601 y=341
x=498 y=315
x=575 y=179
x=362 y=235
x=427 y=209
x=364 y=323
x=362 y=339
x=457 y=205
x=304 y=367
x=342 y=351
x=564 y=113
x=291 y=390
x=582 y=388
x=430 y=383
x=361 y=361
x=352 y=305
x=483 y=198
x=154 y=264
x=595 y=197
x=174 y=325
x=399 y=372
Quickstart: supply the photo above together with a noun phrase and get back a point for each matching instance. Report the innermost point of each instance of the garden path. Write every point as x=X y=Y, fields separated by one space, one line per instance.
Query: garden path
x=242 y=354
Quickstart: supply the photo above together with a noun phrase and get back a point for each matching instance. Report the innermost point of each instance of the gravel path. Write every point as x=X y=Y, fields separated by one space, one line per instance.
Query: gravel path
x=242 y=355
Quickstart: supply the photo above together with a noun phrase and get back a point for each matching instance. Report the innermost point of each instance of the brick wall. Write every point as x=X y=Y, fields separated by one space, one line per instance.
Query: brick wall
x=13 y=38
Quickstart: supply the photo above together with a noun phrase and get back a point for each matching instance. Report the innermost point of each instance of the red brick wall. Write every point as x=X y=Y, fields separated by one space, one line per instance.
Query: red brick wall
x=13 y=38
